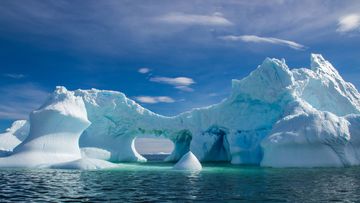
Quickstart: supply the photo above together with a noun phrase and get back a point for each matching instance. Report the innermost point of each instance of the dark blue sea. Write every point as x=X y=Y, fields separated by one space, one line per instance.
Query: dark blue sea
x=157 y=182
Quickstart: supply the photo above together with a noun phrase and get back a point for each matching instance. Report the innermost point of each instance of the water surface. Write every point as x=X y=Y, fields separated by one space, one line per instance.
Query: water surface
x=158 y=182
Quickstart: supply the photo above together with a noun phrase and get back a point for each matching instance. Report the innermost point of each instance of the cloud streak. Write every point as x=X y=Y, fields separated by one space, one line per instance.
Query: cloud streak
x=144 y=70
x=14 y=75
x=75 y=25
x=258 y=39
x=181 y=83
x=154 y=100
x=19 y=100
x=216 y=19
x=349 y=23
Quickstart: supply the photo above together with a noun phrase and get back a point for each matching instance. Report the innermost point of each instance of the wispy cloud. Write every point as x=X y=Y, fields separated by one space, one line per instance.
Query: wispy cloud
x=75 y=26
x=178 y=81
x=213 y=94
x=14 y=75
x=154 y=100
x=181 y=83
x=216 y=19
x=144 y=70
x=20 y=99
x=349 y=23
x=184 y=88
x=257 y=39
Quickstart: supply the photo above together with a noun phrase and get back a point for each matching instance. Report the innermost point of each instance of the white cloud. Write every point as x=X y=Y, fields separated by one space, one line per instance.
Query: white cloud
x=178 y=81
x=257 y=39
x=19 y=100
x=216 y=19
x=144 y=70
x=185 y=88
x=181 y=83
x=154 y=100
x=14 y=75
x=349 y=23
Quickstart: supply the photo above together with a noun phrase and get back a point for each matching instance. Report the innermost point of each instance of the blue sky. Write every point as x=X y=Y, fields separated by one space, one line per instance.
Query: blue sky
x=170 y=56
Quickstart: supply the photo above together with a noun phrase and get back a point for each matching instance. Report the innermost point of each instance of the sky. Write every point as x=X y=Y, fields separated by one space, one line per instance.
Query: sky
x=170 y=56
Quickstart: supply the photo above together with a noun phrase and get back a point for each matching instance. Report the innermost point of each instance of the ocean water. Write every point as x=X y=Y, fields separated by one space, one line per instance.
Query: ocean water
x=157 y=182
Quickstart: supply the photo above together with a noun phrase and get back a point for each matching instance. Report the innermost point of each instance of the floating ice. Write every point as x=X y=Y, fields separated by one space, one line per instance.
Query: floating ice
x=54 y=133
x=188 y=162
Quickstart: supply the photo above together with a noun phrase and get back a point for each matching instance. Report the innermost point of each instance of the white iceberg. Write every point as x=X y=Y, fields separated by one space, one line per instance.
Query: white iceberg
x=188 y=162
x=54 y=133
x=276 y=116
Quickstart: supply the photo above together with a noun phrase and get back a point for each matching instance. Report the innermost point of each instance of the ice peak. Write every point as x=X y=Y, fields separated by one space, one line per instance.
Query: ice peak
x=65 y=102
x=317 y=60
x=275 y=70
x=276 y=63
x=269 y=82
x=320 y=65
x=273 y=66
x=60 y=89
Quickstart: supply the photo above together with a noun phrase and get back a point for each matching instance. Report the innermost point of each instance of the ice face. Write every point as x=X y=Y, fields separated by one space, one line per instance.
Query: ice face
x=309 y=138
x=276 y=116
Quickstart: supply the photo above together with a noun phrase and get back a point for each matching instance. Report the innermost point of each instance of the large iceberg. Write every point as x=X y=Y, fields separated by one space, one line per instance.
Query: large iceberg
x=276 y=116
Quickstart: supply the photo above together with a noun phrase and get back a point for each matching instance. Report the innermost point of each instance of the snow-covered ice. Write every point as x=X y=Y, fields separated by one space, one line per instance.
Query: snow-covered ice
x=276 y=116
x=188 y=162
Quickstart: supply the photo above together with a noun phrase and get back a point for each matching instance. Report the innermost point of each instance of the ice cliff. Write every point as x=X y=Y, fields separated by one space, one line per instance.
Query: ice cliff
x=276 y=116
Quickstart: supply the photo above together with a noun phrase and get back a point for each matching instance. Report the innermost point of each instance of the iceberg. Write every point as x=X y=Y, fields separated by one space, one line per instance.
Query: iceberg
x=188 y=162
x=275 y=117
x=55 y=129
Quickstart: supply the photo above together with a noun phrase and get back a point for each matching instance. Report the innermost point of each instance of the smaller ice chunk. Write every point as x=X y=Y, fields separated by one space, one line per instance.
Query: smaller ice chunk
x=13 y=136
x=188 y=162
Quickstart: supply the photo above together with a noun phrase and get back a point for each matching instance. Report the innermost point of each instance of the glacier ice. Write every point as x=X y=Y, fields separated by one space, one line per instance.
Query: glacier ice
x=188 y=162
x=276 y=116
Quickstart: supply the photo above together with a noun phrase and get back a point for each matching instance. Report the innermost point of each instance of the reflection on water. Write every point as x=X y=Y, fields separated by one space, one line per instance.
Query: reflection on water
x=158 y=182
